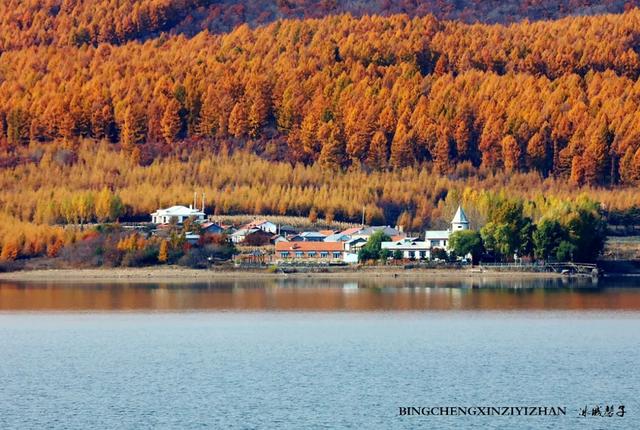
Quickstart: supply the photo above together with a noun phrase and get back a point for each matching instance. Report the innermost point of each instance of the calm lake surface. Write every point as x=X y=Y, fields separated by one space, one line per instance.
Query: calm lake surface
x=316 y=354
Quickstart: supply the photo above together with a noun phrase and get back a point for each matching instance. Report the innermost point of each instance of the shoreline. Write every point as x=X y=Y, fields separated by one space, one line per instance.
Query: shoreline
x=183 y=275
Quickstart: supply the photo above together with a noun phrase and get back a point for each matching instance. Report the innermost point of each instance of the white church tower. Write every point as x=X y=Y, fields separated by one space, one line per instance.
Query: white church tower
x=459 y=221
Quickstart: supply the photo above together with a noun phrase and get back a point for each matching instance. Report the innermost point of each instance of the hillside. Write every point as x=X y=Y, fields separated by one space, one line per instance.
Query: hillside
x=403 y=116
x=559 y=98
x=26 y=23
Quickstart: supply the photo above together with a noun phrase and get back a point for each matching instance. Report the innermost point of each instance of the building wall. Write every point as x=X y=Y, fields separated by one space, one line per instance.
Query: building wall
x=422 y=254
x=438 y=243
x=310 y=255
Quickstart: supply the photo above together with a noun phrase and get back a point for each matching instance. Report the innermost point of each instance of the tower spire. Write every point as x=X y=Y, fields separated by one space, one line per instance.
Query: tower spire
x=460 y=220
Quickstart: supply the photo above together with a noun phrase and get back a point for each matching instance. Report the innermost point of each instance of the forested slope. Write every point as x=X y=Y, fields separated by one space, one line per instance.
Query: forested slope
x=560 y=98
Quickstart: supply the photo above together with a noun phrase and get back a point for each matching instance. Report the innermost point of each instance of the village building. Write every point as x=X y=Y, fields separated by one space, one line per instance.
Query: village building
x=337 y=237
x=252 y=236
x=177 y=214
x=440 y=238
x=367 y=232
x=278 y=238
x=285 y=230
x=354 y=244
x=263 y=225
x=327 y=232
x=437 y=238
x=211 y=228
x=410 y=248
x=310 y=251
x=351 y=231
x=308 y=236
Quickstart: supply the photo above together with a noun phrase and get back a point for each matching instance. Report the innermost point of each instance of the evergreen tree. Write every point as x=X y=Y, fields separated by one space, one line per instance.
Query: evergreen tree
x=171 y=122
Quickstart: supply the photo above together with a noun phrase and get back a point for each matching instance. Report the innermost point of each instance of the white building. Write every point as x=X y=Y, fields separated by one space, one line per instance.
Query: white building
x=440 y=238
x=411 y=248
x=179 y=214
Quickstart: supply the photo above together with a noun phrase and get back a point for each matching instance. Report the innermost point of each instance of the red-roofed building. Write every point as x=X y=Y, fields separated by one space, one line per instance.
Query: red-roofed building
x=316 y=251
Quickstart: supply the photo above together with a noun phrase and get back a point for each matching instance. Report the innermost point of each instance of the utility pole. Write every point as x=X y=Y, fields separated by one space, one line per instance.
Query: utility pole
x=363 y=207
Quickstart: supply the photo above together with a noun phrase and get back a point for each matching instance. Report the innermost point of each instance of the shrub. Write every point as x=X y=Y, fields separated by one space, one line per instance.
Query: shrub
x=139 y=258
x=195 y=258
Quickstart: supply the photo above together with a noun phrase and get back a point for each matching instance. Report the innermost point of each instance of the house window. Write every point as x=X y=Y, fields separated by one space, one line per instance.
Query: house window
x=284 y=254
x=311 y=254
x=336 y=254
x=435 y=243
x=324 y=254
x=299 y=254
x=423 y=254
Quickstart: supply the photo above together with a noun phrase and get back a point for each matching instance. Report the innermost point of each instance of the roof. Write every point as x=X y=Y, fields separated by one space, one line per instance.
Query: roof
x=256 y=223
x=352 y=230
x=244 y=231
x=309 y=246
x=178 y=211
x=389 y=231
x=460 y=217
x=437 y=234
x=207 y=225
x=356 y=240
x=408 y=243
x=312 y=234
x=337 y=237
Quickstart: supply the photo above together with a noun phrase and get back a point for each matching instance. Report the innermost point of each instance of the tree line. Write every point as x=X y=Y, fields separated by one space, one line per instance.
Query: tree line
x=567 y=231
x=25 y=23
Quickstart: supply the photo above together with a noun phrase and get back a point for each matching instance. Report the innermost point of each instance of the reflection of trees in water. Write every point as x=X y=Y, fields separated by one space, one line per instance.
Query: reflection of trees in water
x=299 y=294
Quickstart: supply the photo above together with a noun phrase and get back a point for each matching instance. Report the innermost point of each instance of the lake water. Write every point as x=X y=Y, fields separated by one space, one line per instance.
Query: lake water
x=317 y=354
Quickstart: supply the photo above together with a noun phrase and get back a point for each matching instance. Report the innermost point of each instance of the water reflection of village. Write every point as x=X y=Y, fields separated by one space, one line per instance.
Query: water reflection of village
x=326 y=295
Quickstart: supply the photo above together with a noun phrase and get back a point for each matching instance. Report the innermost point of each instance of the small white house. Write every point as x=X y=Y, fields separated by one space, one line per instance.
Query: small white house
x=411 y=248
x=179 y=214
x=354 y=244
x=239 y=236
x=437 y=238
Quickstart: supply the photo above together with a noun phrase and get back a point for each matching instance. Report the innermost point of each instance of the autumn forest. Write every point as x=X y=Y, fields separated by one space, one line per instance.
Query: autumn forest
x=112 y=114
